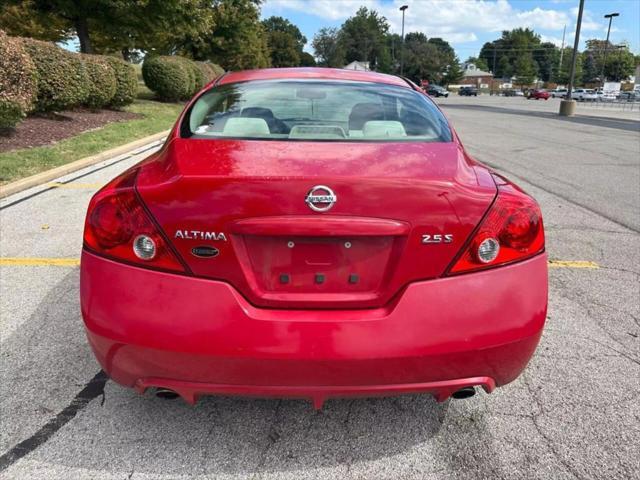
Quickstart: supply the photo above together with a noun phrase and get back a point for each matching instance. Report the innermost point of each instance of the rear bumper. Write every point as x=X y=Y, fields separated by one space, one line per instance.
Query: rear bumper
x=195 y=336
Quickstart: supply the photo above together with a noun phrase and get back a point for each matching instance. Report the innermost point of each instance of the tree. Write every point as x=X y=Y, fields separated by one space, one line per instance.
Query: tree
x=453 y=73
x=307 y=60
x=394 y=46
x=504 y=67
x=446 y=58
x=562 y=76
x=285 y=41
x=620 y=65
x=236 y=39
x=328 y=48
x=480 y=63
x=21 y=19
x=283 y=49
x=590 y=71
x=514 y=44
x=279 y=24
x=363 y=38
x=546 y=56
x=525 y=69
x=114 y=25
x=421 y=60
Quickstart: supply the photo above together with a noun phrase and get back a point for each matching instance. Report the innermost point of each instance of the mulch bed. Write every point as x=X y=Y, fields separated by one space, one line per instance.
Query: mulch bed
x=41 y=130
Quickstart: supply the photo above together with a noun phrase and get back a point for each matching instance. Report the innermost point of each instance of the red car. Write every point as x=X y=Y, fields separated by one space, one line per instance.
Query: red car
x=313 y=233
x=539 y=94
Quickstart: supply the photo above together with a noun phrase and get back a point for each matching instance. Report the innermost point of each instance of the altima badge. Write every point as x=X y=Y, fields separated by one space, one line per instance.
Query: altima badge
x=199 y=235
x=320 y=198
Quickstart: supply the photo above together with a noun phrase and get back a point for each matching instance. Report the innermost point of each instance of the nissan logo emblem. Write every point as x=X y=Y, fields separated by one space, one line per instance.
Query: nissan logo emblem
x=320 y=198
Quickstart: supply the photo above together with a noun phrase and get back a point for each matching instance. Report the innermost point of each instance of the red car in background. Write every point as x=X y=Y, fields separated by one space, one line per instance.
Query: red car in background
x=313 y=233
x=539 y=94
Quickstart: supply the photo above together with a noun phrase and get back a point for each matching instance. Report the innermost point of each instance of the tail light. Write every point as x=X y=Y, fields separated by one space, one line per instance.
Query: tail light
x=118 y=226
x=511 y=231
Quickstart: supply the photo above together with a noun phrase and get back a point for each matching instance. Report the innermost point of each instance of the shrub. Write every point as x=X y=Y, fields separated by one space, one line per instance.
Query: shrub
x=126 y=82
x=209 y=70
x=199 y=79
x=190 y=69
x=17 y=81
x=177 y=78
x=61 y=77
x=11 y=112
x=217 y=69
x=102 y=81
x=166 y=77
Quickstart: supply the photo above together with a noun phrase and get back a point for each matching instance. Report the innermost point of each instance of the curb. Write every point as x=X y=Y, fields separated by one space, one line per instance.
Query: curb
x=48 y=175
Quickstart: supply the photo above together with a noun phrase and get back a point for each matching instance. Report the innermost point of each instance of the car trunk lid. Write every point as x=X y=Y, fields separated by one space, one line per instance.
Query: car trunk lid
x=402 y=211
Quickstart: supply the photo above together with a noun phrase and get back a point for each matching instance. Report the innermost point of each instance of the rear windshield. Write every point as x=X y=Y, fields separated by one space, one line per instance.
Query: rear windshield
x=311 y=110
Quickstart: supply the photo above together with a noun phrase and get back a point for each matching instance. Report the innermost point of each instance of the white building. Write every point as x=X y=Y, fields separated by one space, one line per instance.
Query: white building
x=362 y=66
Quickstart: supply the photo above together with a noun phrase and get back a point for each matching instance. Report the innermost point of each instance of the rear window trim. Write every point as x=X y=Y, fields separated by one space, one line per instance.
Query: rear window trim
x=186 y=134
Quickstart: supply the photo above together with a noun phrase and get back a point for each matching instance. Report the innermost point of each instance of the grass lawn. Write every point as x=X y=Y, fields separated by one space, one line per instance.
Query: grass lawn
x=22 y=163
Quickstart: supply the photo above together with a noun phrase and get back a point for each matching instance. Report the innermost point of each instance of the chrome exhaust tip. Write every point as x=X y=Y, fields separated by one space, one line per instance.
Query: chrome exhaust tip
x=166 y=394
x=466 y=392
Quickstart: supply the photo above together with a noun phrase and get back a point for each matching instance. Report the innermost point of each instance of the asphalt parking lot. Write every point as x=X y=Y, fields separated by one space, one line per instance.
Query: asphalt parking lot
x=573 y=414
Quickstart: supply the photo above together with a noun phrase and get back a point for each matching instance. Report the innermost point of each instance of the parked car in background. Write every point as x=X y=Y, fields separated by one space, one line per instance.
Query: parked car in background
x=539 y=94
x=584 y=95
x=629 y=96
x=437 y=91
x=510 y=92
x=605 y=96
x=468 y=91
x=558 y=93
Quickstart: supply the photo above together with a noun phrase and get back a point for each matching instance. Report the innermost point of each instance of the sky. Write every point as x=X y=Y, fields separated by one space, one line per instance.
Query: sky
x=467 y=24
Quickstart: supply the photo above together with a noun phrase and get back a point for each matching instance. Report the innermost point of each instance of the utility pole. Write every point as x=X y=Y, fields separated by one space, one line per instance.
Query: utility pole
x=402 y=9
x=606 y=45
x=564 y=30
x=568 y=105
x=494 y=70
x=494 y=60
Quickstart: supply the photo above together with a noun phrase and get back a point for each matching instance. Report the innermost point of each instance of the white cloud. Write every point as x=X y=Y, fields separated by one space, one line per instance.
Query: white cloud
x=557 y=41
x=455 y=21
x=327 y=9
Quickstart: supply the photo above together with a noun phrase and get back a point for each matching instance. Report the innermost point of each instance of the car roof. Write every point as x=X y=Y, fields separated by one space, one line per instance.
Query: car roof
x=313 y=73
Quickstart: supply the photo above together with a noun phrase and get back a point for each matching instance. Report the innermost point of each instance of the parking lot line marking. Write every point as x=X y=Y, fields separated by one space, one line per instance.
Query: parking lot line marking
x=75 y=186
x=40 y=262
x=572 y=264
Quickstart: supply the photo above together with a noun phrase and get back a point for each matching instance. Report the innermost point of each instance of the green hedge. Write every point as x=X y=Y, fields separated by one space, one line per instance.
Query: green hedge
x=42 y=77
x=174 y=78
x=62 y=77
x=126 y=82
x=17 y=81
x=102 y=81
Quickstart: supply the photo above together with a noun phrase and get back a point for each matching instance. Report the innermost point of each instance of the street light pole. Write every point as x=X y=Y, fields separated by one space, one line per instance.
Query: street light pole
x=568 y=104
x=606 y=45
x=402 y=9
x=564 y=30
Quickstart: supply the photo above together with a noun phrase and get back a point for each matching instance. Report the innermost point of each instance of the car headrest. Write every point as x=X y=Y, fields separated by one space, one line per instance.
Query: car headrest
x=245 y=127
x=257 y=112
x=364 y=112
x=383 y=129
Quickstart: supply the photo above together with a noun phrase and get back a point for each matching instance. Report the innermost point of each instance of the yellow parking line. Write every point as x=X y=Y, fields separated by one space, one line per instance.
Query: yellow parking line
x=572 y=264
x=75 y=186
x=40 y=262
x=73 y=262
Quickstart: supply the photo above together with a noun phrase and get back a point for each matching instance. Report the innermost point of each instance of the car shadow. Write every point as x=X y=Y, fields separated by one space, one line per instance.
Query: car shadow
x=606 y=122
x=47 y=361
